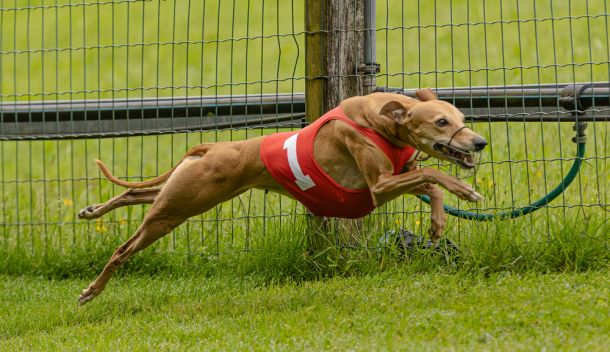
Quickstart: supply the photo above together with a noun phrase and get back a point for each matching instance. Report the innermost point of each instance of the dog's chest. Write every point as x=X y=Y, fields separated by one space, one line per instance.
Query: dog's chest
x=335 y=159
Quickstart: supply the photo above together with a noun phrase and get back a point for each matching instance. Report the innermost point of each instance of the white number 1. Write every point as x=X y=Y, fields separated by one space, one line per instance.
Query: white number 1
x=303 y=181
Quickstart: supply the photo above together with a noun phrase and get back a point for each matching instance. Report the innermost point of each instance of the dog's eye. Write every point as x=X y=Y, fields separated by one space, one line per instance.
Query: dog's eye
x=442 y=122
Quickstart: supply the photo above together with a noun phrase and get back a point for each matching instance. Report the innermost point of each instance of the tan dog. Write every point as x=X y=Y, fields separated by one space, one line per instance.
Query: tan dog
x=213 y=173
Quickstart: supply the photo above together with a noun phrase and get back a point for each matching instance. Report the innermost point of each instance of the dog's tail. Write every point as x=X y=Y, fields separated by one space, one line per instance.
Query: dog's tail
x=197 y=150
x=155 y=181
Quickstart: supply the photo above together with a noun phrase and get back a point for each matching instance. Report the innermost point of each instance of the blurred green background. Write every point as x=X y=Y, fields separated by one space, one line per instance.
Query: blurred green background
x=70 y=50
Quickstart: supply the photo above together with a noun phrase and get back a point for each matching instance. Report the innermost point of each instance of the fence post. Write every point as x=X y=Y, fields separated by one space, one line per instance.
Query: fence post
x=315 y=58
x=334 y=53
x=334 y=61
x=345 y=50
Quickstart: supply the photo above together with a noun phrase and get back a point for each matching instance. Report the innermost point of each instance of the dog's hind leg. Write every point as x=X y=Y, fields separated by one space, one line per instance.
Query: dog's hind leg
x=196 y=186
x=156 y=225
x=132 y=196
x=171 y=208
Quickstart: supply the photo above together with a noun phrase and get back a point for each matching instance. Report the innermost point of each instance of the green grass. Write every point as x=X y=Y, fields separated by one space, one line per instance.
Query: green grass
x=396 y=310
x=501 y=291
x=280 y=252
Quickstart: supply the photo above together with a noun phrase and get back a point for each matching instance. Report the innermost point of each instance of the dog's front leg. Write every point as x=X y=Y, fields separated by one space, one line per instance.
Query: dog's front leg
x=387 y=186
x=437 y=214
x=423 y=181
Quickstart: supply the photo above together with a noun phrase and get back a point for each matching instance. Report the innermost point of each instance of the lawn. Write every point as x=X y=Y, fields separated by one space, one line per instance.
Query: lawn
x=503 y=291
x=395 y=310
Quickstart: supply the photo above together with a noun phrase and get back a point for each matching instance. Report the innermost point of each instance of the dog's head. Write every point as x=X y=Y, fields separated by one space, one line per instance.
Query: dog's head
x=437 y=128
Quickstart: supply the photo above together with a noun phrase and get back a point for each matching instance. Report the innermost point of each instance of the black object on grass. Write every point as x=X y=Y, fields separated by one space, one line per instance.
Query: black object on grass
x=405 y=241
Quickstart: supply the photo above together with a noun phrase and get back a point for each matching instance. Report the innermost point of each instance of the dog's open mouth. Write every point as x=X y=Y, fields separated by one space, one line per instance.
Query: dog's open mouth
x=463 y=158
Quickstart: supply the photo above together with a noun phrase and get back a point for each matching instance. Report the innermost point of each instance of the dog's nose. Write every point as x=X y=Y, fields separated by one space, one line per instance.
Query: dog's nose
x=479 y=144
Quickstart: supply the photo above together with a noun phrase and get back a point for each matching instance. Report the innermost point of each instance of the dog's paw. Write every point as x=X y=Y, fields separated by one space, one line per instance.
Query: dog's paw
x=462 y=190
x=474 y=196
x=434 y=235
x=87 y=295
x=86 y=213
x=469 y=194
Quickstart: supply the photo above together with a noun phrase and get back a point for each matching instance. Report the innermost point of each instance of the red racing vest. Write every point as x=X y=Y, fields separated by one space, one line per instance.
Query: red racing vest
x=289 y=157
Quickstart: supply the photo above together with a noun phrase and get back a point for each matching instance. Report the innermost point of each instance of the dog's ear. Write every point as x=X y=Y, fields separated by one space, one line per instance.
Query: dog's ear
x=426 y=94
x=394 y=111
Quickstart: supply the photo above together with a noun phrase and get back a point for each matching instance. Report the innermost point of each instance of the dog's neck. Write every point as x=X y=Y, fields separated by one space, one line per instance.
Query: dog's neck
x=361 y=111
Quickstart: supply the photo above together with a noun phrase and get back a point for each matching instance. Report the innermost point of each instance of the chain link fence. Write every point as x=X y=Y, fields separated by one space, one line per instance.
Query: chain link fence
x=137 y=83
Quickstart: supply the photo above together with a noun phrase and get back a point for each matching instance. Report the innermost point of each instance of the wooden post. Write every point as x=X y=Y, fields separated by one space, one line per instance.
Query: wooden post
x=345 y=50
x=334 y=53
x=334 y=56
x=315 y=58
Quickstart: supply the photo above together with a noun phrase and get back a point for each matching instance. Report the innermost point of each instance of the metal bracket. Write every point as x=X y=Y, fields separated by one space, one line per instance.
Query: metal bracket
x=369 y=68
x=570 y=98
x=580 y=137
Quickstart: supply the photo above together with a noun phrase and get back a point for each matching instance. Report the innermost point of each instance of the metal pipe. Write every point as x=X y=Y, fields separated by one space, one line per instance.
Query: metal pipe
x=521 y=103
x=150 y=108
x=370 y=67
x=78 y=118
x=370 y=24
x=515 y=96
x=543 y=96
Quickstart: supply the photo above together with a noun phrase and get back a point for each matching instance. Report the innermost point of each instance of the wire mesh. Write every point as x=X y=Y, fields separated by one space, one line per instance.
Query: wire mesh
x=55 y=54
x=489 y=47
x=97 y=56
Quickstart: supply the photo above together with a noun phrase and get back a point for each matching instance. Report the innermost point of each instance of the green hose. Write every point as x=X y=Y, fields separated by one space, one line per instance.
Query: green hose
x=579 y=127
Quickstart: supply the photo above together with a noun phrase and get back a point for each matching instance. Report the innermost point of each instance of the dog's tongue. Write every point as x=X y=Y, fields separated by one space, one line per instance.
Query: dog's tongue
x=468 y=160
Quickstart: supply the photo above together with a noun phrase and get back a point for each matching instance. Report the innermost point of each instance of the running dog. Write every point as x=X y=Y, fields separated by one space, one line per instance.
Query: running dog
x=353 y=159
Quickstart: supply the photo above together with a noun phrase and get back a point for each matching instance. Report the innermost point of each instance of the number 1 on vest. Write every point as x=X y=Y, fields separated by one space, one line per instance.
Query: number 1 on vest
x=303 y=181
